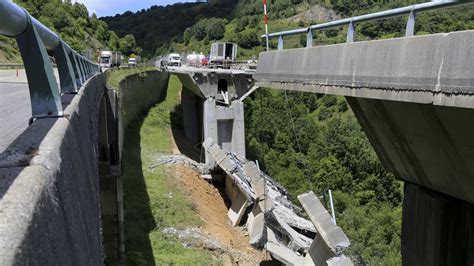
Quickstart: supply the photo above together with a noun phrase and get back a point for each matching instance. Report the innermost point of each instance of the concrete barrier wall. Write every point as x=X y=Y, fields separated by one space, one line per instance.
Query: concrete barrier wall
x=137 y=94
x=50 y=210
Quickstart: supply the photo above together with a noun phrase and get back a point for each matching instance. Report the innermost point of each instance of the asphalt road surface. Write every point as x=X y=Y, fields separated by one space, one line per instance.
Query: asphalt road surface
x=15 y=106
x=15 y=111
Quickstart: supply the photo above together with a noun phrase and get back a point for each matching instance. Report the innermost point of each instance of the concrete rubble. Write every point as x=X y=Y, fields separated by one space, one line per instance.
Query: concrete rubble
x=273 y=222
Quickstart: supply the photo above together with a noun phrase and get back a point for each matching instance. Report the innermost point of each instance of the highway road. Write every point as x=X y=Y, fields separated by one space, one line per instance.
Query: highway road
x=15 y=106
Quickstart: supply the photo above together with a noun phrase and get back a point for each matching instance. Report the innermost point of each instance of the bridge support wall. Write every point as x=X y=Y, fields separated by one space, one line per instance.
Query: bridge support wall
x=436 y=229
x=212 y=107
x=192 y=116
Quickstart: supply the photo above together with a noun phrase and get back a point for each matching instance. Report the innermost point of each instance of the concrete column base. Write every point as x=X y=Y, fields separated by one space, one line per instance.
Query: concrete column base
x=436 y=229
x=225 y=126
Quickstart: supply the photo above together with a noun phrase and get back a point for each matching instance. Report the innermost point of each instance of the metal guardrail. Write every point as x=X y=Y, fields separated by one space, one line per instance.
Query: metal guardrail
x=410 y=27
x=34 y=40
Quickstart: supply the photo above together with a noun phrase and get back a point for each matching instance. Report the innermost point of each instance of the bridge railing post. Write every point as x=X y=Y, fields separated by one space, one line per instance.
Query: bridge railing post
x=44 y=91
x=75 y=66
x=65 y=69
x=350 y=32
x=280 y=42
x=410 y=29
x=309 y=38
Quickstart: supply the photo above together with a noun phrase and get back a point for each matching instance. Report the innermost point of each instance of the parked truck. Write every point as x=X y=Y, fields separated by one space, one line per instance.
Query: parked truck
x=110 y=59
x=223 y=54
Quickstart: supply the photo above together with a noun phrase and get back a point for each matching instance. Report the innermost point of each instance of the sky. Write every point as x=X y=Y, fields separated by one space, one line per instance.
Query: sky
x=112 y=7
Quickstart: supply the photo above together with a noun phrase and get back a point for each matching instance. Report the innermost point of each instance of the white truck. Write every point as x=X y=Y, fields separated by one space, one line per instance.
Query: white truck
x=223 y=54
x=174 y=60
x=132 y=61
x=110 y=59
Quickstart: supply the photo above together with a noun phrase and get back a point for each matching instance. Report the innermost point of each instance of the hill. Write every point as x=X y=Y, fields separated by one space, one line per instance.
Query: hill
x=73 y=23
x=156 y=27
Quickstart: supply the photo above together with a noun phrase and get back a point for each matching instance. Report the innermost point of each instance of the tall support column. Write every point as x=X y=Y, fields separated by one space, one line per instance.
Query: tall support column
x=225 y=126
x=436 y=229
x=238 y=132
x=192 y=130
x=210 y=126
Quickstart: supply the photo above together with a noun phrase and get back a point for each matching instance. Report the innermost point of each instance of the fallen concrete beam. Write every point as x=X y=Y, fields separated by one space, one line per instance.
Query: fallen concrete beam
x=284 y=254
x=332 y=235
x=237 y=209
x=256 y=227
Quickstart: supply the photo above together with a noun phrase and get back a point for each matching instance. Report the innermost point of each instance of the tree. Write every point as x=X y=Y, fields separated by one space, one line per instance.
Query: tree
x=248 y=39
x=127 y=44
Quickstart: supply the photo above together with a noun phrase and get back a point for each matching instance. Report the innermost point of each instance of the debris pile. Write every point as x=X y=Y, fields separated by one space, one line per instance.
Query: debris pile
x=272 y=221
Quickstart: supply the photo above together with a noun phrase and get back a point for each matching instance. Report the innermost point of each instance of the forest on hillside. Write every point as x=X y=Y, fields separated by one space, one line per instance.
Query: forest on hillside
x=313 y=142
x=75 y=26
x=187 y=27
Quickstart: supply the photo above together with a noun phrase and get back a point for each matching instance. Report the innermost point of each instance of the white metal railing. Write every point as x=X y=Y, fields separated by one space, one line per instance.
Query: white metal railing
x=350 y=22
x=34 y=40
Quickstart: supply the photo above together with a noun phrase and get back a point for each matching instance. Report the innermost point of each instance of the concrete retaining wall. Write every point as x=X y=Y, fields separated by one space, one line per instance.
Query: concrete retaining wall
x=50 y=211
x=137 y=94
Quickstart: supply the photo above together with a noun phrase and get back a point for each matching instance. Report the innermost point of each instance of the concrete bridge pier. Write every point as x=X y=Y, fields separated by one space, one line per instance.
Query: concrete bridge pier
x=192 y=116
x=431 y=148
x=225 y=125
x=213 y=108
x=436 y=229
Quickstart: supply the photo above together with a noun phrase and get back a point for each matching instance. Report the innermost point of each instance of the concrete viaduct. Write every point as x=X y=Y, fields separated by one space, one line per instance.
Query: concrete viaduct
x=60 y=192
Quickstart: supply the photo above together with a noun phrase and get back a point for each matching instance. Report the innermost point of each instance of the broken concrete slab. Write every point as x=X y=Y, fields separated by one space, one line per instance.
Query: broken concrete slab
x=298 y=242
x=284 y=254
x=256 y=227
x=237 y=209
x=332 y=235
x=340 y=261
x=318 y=253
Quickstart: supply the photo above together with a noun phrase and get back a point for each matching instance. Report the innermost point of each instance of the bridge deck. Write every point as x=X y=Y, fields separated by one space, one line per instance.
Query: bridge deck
x=434 y=69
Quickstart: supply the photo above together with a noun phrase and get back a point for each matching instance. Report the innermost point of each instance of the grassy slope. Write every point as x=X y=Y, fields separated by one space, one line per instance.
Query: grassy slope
x=115 y=75
x=148 y=205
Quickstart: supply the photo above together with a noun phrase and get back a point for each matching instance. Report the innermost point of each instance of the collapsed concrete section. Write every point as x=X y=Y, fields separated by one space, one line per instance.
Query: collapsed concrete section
x=273 y=222
x=213 y=108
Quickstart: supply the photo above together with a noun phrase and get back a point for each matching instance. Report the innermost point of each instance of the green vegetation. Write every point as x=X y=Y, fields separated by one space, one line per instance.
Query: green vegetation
x=152 y=199
x=155 y=27
x=313 y=142
x=306 y=141
x=74 y=25
x=116 y=75
x=187 y=27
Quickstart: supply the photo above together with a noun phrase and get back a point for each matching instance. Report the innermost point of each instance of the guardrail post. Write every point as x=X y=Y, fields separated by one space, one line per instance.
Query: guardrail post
x=350 y=32
x=280 y=42
x=83 y=68
x=410 y=30
x=75 y=65
x=309 y=38
x=44 y=92
x=66 y=73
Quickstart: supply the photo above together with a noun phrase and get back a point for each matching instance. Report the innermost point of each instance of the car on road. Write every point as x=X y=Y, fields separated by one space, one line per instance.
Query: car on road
x=174 y=60
x=132 y=61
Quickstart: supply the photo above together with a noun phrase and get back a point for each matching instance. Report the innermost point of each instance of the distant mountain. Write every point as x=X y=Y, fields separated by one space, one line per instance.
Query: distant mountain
x=155 y=27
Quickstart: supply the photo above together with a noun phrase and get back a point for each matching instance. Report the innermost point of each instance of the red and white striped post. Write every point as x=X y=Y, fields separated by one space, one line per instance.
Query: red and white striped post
x=265 y=18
